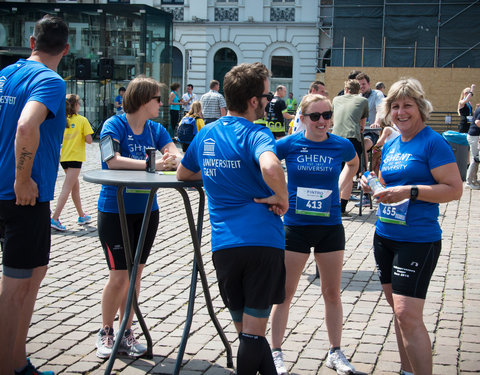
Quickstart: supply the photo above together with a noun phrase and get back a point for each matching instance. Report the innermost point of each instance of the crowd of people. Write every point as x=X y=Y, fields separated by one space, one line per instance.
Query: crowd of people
x=247 y=190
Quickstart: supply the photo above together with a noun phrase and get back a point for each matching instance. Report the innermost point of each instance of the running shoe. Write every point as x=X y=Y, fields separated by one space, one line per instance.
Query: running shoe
x=279 y=364
x=104 y=342
x=338 y=362
x=56 y=224
x=85 y=219
x=31 y=370
x=473 y=186
x=130 y=346
x=365 y=202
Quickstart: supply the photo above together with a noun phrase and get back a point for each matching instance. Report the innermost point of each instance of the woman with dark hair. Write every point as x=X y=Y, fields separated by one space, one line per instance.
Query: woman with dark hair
x=419 y=171
x=130 y=134
x=465 y=109
x=77 y=132
x=175 y=103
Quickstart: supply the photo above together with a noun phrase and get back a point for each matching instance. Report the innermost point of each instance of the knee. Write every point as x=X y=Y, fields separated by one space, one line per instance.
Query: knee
x=331 y=295
x=408 y=321
x=117 y=282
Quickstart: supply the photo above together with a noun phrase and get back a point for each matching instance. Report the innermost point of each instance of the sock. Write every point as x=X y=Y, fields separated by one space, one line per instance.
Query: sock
x=332 y=350
x=254 y=355
x=406 y=373
x=276 y=350
x=20 y=370
x=343 y=203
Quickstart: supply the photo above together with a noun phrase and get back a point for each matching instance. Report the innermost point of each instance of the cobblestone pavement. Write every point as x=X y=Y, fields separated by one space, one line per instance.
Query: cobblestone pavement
x=68 y=311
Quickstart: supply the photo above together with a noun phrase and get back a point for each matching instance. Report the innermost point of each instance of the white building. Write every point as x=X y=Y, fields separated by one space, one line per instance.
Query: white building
x=211 y=36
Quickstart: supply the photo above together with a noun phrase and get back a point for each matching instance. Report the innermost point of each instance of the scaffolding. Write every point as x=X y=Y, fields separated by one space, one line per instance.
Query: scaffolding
x=399 y=33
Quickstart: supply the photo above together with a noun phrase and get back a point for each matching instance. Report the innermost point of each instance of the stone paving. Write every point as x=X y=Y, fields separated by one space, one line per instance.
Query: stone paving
x=68 y=311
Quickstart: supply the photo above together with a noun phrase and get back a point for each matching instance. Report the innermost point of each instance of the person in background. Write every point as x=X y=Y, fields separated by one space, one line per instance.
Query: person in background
x=419 y=171
x=175 y=102
x=32 y=127
x=236 y=159
x=277 y=113
x=195 y=113
x=130 y=134
x=465 y=110
x=380 y=86
x=188 y=98
x=389 y=132
x=316 y=87
x=118 y=103
x=77 y=133
x=291 y=103
x=314 y=165
x=213 y=103
x=473 y=138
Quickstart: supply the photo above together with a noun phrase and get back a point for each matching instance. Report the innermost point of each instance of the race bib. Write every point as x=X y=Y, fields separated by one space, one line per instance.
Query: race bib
x=470 y=119
x=313 y=202
x=395 y=213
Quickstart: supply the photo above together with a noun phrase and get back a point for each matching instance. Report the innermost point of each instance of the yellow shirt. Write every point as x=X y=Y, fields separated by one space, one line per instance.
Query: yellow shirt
x=200 y=123
x=73 y=147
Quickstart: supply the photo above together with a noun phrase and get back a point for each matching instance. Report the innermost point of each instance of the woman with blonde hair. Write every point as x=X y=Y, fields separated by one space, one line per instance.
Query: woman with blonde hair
x=465 y=110
x=419 y=171
x=195 y=113
x=77 y=132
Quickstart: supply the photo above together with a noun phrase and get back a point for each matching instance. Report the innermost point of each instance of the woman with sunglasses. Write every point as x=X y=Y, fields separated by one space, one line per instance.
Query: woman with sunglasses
x=314 y=160
x=130 y=134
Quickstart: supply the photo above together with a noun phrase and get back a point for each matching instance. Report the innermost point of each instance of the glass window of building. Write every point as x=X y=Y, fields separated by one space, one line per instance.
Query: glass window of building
x=224 y=60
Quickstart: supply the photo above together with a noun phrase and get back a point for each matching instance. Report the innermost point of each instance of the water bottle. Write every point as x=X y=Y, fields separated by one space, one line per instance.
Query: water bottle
x=374 y=182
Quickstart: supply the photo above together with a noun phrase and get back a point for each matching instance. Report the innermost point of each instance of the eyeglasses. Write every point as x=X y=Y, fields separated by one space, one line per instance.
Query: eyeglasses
x=158 y=98
x=315 y=116
x=269 y=96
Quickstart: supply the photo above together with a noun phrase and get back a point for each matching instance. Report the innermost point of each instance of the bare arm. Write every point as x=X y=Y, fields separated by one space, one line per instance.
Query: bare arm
x=169 y=160
x=274 y=176
x=223 y=111
x=448 y=187
x=26 y=144
x=385 y=134
x=184 y=174
x=88 y=139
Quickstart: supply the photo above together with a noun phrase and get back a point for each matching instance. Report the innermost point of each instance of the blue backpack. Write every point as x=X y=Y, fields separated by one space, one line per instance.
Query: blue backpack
x=187 y=130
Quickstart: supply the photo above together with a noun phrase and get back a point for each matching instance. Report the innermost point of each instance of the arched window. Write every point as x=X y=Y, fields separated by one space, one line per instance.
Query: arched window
x=224 y=60
x=282 y=70
x=177 y=66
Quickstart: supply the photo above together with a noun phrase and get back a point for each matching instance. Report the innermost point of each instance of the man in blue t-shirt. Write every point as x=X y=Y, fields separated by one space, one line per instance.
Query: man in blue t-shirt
x=119 y=101
x=32 y=122
x=236 y=159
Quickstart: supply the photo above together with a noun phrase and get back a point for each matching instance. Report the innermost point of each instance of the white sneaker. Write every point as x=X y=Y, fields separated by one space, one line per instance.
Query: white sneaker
x=473 y=186
x=104 y=342
x=279 y=364
x=338 y=362
x=130 y=346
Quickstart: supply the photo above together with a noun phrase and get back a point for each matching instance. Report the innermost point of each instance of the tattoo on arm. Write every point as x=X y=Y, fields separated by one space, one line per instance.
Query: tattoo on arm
x=24 y=156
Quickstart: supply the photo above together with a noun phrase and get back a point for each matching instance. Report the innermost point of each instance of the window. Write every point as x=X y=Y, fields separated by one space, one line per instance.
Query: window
x=282 y=66
x=172 y=2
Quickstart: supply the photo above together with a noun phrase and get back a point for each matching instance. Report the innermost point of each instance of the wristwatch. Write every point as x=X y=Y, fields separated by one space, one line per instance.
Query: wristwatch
x=413 y=193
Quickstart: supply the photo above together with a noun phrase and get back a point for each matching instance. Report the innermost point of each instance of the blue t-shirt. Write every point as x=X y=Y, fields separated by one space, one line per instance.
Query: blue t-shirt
x=131 y=146
x=227 y=152
x=313 y=171
x=410 y=163
x=119 y=100
x=20 y=83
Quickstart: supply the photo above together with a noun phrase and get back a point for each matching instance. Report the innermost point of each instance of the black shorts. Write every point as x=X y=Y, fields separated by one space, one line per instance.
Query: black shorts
x=111 y=239
x=71 y=164
x=323 y=238
x=373 y=136
x=25 y=231
x=408 y=266
x=357 y=145
x=250 y=276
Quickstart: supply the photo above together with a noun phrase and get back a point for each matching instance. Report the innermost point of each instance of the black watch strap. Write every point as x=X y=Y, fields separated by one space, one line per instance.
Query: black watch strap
x=413 y=193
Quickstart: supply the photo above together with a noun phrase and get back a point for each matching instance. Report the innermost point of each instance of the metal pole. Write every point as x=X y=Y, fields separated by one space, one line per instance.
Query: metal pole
x=383 y=34
x=437 y=38
x=415 y=55
x=343 y=58
x=363 y=49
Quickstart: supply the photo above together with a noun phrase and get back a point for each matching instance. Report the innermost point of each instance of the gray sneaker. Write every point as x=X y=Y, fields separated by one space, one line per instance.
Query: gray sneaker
x=104 y=342
x=338 y=362
x=130 y=346
x=279 y=364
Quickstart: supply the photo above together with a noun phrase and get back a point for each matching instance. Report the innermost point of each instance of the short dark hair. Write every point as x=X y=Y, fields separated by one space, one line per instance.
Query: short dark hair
x=243 y=82
x=50 y=34
x=174 y=86
x=214 y=83
x=139 y=92
x=353 y=74
x=363 y=76
x=122 y=89
x=314 y=86
x=190 y=85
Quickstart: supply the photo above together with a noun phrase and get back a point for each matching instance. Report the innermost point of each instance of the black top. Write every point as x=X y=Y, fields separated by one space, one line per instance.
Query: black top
x=465 y=111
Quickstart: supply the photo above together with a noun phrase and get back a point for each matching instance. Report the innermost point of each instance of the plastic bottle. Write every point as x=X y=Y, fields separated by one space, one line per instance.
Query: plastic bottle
x=374 y=182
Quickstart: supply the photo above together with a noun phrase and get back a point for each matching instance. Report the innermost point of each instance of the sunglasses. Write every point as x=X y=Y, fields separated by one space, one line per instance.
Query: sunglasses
x=269 y=96
x=158 y=98
x=315 y=116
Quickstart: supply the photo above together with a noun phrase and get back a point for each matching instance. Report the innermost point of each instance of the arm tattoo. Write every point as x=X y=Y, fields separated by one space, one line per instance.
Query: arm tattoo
x=24 y=156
